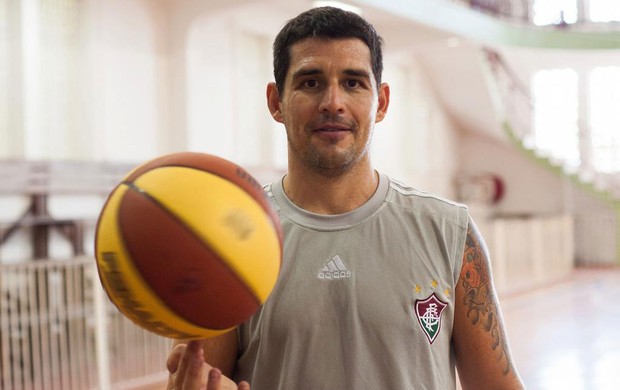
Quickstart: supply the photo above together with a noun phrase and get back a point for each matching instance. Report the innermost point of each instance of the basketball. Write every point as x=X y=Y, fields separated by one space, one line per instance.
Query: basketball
x=188 y=245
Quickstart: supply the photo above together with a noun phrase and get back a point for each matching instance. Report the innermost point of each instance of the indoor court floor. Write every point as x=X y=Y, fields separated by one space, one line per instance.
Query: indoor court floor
x=567 y=335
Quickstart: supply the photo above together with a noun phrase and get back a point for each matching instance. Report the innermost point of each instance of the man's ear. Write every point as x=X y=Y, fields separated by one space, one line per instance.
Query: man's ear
x=273 y=102
x=384 y=102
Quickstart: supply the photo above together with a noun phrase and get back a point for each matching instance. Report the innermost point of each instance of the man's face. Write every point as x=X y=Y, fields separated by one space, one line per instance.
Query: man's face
x=330 y=103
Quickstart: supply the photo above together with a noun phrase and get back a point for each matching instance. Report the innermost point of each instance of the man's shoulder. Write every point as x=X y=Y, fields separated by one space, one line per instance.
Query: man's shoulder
x=401 y=189
x=412 y=198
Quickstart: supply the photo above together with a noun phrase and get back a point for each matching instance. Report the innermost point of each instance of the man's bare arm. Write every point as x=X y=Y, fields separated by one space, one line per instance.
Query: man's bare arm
x=481 y=344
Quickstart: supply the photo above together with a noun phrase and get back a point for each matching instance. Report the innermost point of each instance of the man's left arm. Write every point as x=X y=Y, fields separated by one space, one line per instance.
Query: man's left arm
x=480 y=340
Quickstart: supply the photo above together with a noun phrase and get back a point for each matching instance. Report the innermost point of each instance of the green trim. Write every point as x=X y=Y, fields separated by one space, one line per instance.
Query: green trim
x=589 y=188
x=459 y=19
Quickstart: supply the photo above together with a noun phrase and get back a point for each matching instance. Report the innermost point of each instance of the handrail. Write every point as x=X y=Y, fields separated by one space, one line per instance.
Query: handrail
x=66 y=177
x=460 y=18
x=514 y=10
x=521 y=12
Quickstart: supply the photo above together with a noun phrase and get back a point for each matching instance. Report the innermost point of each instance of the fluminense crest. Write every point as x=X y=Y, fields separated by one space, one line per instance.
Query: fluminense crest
x=429 y=312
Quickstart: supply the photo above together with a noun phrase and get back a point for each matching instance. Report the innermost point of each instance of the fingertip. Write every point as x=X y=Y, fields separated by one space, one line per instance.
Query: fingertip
x=244 y=386
x=197 y=359
x=215 y=374
x=194 y=345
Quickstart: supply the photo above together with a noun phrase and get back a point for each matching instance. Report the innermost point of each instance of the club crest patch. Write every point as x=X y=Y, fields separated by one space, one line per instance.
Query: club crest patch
x=429 y=312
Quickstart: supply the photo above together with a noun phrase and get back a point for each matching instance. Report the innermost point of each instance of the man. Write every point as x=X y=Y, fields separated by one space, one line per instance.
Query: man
x=382 y=286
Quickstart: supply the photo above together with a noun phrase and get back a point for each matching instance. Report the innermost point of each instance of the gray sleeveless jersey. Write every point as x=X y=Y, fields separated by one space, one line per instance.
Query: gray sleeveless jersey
x=365 y=300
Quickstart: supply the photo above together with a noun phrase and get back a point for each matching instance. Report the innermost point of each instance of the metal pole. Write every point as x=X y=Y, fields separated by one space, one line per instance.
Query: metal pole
x=101 y=336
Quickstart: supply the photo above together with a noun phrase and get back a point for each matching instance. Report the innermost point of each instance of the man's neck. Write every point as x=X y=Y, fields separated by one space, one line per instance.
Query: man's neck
x=324 y=194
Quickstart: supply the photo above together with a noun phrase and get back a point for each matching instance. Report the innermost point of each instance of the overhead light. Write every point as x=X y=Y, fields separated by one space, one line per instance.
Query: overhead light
x=337 y=4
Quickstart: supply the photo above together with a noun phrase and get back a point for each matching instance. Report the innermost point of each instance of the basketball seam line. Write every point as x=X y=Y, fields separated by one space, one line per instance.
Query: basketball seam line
x=134 y=187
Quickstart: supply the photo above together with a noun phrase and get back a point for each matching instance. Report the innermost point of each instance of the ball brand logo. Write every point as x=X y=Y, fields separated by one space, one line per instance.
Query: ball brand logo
x=239 y=223
x=115 y=277
x=243 y=174
x=125 y=299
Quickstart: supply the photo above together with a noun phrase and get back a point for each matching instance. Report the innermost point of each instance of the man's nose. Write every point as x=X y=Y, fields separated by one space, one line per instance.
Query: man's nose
x=332 y=99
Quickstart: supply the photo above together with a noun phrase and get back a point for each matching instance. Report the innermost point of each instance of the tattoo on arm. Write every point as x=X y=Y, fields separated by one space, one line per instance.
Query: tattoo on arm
x=479 y=298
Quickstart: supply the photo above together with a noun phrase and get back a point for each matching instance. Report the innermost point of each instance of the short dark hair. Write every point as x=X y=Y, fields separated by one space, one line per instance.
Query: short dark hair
x=328 y=23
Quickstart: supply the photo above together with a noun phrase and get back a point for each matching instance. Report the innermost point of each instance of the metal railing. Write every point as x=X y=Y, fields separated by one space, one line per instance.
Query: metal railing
x=513 y=10
x=55 y=335
x=522 y=12
x=19 y=176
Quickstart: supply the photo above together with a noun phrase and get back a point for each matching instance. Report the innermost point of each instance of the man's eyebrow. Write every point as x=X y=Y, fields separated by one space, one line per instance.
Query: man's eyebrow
x=306 y=72
x=315 y=71
x=357 y=73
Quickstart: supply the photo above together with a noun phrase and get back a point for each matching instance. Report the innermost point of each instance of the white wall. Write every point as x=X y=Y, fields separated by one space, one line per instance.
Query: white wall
x=128 y=79
x=533 y=191
x=227 y=73
x=128 y=57
x=530 y=188
x=417 y=142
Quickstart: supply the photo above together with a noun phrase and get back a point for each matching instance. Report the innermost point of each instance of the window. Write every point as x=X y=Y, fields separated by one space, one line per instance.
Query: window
x=556 y=115
x=605 y=118
x=604 y=10
x=555 y=11
x=49 y=66
x=4 y=75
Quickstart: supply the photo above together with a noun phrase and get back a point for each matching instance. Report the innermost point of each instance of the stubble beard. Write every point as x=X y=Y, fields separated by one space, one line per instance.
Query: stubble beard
x=325 y=163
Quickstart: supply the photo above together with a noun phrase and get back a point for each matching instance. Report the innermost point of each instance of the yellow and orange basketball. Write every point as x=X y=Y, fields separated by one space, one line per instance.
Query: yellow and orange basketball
x=188 y=245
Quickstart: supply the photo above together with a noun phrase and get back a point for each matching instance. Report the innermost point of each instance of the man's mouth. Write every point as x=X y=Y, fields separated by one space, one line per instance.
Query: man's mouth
x=332 y=127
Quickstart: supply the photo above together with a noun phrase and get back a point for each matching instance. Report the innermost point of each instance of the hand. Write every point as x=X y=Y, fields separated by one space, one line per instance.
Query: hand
x=189 y=371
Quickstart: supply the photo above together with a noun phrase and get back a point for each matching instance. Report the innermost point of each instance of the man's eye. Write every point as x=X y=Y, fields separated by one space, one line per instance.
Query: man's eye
x=311 y=83
x=352 y=83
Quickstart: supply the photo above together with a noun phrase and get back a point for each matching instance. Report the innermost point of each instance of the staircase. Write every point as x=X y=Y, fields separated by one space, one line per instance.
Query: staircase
x=597 y=225
x=515 y=108
x=494 y=84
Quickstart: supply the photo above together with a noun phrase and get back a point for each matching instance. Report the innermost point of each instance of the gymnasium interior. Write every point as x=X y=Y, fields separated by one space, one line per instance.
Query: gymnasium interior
x=507 y=106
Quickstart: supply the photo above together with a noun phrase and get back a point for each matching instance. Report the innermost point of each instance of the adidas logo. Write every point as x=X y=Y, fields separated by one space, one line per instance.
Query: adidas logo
x=334 y=269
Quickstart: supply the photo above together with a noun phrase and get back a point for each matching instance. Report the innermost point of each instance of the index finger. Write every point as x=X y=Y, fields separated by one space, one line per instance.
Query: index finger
x=190 y=367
